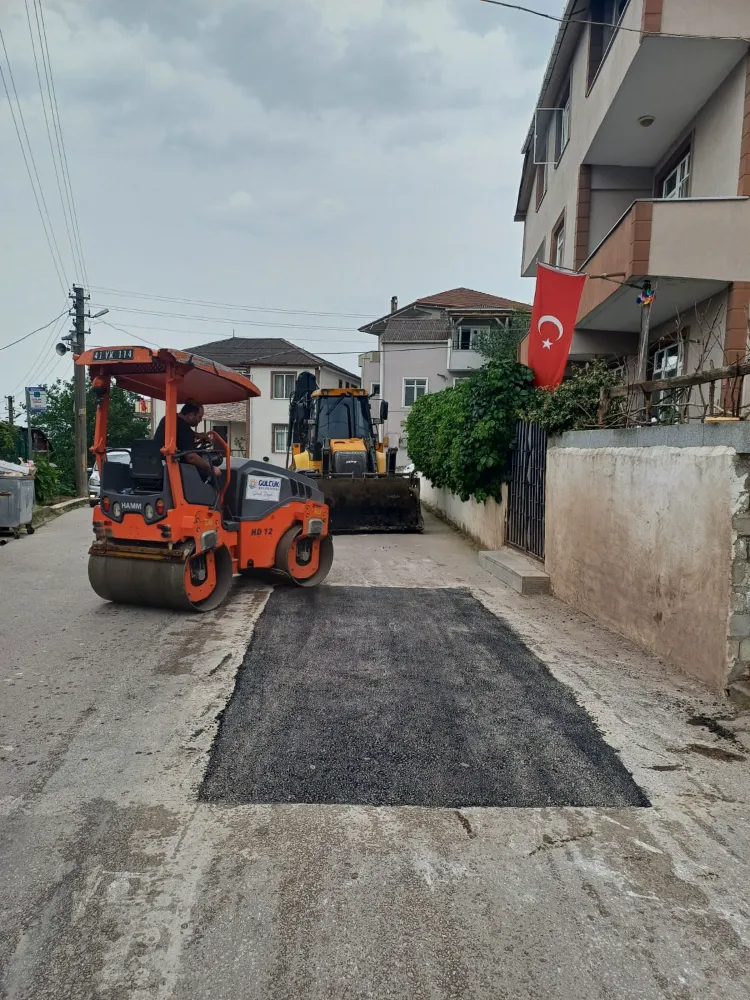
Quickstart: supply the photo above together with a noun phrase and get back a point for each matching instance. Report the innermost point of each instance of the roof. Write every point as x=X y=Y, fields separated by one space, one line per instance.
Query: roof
x=272 y=352
x=231 y=413
x=467 y=298
x=421 y=330
x=463 y=300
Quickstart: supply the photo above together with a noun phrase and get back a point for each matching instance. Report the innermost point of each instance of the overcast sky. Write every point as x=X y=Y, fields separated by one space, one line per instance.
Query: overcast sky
x=318 y=155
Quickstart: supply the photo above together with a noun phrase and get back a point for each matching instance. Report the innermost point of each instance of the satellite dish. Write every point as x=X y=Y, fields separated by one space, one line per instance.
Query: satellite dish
x=61 y=349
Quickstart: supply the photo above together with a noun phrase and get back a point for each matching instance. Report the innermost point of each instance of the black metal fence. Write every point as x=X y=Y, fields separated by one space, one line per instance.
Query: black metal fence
x=525 y=527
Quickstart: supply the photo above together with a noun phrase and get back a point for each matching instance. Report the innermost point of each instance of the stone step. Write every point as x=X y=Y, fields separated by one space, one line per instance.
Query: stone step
x=519 y=572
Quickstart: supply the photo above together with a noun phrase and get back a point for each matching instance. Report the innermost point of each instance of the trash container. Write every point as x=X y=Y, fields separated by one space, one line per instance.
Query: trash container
x=16 y=504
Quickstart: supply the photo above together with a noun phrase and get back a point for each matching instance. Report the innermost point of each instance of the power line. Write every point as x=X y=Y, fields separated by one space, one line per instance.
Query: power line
x=40 y=361
x=61 y=140
x=46 y=121
x=150 y=343
x=227 y=320
x=228 y=305
x=49 y=234
x=609 y=24
x=202 y=333
x=38 y=330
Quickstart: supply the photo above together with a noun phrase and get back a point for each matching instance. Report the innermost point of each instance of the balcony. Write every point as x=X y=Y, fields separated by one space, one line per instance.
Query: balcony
x=463 y=360
x=693 y=247
x=666 y=78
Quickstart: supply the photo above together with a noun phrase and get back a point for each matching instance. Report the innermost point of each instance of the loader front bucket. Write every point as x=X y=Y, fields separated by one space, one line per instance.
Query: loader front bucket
x=372 y=503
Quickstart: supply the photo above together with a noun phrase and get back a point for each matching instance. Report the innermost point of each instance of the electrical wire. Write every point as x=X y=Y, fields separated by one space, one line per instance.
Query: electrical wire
x=39 y=363
x=202 y=333
x=61 y=139
x=47 y=127
x=38 y=330
x=227 y=320
x=150 y=343
x=49 y=233
x=609 y=24
x=227 y=305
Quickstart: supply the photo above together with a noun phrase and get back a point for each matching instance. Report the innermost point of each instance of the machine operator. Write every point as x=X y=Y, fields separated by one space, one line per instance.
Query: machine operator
x=189 y=417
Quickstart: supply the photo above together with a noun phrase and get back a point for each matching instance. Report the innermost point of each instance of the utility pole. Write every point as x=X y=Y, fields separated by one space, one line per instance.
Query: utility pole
x=11 y=411
x=78 y=343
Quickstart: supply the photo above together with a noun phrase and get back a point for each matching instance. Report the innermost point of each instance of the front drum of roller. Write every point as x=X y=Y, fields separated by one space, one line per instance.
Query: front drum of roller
x=305 y=561
x=200 y=583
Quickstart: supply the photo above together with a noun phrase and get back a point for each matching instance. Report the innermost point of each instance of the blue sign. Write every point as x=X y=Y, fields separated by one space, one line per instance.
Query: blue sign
x=37 y=399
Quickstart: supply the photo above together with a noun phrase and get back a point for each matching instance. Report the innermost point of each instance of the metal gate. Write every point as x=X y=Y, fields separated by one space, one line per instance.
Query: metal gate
x=525 y=528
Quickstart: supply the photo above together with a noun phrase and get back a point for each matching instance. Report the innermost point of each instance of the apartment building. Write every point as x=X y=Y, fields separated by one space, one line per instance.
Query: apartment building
x=273 y=364
x=426 y=346
x=637 y=166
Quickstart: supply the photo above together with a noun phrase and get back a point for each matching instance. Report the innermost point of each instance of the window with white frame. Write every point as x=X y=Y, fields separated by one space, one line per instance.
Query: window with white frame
x=279 y=438
x=563 y=125
x=677 y=182
x=413 y=389
x=461 y=378
x=666 y=363
x=282 y=384
x=374 y=388
x=558 y=245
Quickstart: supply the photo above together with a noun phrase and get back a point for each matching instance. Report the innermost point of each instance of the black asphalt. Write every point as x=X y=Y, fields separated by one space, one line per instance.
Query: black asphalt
x=401 y=696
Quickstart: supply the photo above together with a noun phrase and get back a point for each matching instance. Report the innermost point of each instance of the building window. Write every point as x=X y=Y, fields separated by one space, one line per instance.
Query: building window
x=341 y=383
x=666 y=363
x=461 y=378
x=413 y=389
x=558 y=244
x=562 y=137
x=541 y=183
x=374 y=388
x=465 y=336
x=278 y=440
x=676 y=184
x=282 y=384
x=606 y=16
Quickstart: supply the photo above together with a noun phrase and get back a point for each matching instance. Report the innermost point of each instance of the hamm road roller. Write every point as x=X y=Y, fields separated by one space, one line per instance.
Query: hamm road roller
x=171 y=534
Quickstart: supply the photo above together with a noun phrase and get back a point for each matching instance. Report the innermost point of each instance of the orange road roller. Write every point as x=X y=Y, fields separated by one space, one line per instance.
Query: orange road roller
x=173 y=534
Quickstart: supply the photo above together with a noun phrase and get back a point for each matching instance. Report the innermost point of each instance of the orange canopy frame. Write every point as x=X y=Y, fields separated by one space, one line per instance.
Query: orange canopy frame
x=145 y=371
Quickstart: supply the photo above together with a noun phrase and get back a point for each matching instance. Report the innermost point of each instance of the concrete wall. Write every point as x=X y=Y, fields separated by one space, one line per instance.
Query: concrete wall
x=643 y=532
x=484 y=522
x=717 y=138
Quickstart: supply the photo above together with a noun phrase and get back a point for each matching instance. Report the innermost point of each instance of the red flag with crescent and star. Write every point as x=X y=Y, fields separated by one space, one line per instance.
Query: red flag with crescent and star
x=553 y=319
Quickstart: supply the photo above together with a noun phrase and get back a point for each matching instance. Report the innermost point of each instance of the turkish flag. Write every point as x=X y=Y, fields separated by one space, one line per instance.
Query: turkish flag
x=553 y=319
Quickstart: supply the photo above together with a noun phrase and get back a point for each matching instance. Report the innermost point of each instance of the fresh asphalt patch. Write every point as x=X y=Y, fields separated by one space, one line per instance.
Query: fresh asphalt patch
x=402 y=696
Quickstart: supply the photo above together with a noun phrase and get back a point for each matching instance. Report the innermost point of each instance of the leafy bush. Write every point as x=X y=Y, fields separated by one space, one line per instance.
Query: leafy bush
x=46 y=481
x=10 y=443
x=574 y=405
x=500 y=343
x=460 y=438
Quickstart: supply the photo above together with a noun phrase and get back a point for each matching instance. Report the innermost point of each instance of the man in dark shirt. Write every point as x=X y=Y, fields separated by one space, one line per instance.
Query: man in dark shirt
x=189 y=417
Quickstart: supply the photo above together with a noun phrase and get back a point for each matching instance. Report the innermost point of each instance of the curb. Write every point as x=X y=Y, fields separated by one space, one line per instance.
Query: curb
x=42 y=515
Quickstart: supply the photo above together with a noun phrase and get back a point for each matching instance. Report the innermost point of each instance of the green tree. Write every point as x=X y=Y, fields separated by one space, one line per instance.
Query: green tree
x=460 y=438
x=500 y=343
x=574 y=405
x=10 y=443
x=123 y=425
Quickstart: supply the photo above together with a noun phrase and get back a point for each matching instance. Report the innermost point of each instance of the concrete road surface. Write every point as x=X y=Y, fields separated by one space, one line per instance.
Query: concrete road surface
x=118 y=882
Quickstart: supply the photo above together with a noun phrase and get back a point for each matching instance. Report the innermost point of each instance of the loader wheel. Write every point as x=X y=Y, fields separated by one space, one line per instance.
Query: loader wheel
x=305 y=561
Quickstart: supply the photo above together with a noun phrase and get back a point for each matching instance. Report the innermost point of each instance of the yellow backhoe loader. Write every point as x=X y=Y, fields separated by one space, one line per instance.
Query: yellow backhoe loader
x=333 y=438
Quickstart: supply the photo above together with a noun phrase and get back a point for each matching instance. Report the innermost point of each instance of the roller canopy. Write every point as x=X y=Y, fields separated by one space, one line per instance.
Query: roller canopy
x=144 y=371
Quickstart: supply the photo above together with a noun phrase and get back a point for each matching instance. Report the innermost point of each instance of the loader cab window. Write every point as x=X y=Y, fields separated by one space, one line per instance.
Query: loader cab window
x=342 y=417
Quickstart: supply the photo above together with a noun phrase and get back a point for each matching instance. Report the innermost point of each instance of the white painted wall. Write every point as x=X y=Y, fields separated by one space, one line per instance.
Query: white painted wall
x=484 y=522
x=400 y=361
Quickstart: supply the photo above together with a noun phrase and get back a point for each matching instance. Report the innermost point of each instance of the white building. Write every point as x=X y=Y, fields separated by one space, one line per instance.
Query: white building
x=273 y=364
x=427 y=346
